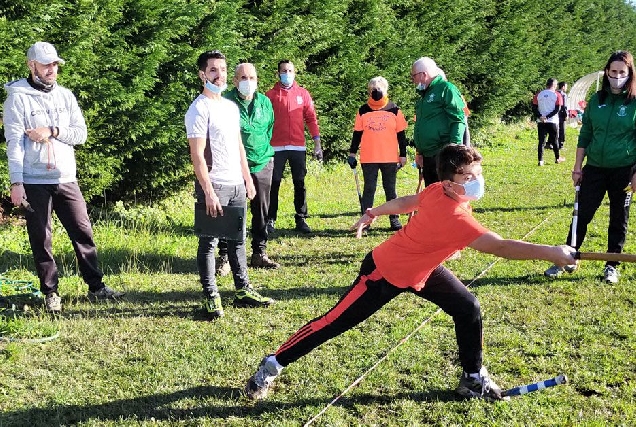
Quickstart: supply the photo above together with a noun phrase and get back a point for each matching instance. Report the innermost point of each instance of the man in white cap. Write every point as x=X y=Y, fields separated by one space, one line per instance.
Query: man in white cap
x=42 y=124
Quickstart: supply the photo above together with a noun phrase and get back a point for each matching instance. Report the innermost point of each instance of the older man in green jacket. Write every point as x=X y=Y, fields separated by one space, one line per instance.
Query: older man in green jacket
x=257 y=121
x=439 y=112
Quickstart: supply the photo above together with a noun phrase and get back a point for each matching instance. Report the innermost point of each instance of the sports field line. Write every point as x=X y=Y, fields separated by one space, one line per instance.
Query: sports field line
x=409 y=335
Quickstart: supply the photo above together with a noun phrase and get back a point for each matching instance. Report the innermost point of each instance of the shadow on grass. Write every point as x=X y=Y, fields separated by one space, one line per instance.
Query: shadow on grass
x=529 y=279
x=547 y=208
x=355 y=214
x=117 y=261
x=181 y=304
x=111 y=261
x=157 y=407
x=326 y=232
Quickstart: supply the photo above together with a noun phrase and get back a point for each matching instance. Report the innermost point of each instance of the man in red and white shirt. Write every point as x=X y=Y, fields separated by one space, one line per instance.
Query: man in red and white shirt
x=293 y=108
x=546 y=105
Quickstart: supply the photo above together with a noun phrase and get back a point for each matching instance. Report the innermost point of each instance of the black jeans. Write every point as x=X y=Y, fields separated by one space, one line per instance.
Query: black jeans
x=429 y=170
x=550 y=130
x=562 y=120
x=594 y=184
x=370 y=173
x=259 y=207
x=229 y=195
x=370 y=292
x=67 y=202
x=298 y=165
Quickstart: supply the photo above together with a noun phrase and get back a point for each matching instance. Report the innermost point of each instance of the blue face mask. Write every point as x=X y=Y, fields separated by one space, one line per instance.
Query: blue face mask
x=214 y=88
x=474 y=190
x=287 y=79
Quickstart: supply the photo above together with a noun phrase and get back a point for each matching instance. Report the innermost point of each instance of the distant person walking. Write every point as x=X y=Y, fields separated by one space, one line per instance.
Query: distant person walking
x=379 y=133
x=547 y=105
x=293 y=109
x=608 y=141
x=439 y=112
x=563 y=112
x=223 y=178
x=42 y=124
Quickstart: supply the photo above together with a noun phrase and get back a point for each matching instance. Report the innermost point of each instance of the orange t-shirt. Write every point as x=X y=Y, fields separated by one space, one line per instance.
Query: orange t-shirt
x=379 y=143
x=441 y=227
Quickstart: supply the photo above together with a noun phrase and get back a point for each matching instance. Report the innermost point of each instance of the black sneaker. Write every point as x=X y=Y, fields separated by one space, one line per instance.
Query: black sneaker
x=248 y=297
x=482 y=387
x=258 y=385
x=213 y=307
x=104 y=293
x=302 y=226
x=395 y=223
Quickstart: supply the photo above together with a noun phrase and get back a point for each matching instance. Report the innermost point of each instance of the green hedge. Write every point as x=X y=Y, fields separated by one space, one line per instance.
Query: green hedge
x=131 y=63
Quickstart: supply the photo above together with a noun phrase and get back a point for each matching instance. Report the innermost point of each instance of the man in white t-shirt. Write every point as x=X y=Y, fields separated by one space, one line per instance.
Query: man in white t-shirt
x=546 y=105
x=223 y=177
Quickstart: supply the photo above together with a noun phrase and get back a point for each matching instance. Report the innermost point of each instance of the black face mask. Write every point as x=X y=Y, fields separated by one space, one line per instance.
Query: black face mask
x=376 y=95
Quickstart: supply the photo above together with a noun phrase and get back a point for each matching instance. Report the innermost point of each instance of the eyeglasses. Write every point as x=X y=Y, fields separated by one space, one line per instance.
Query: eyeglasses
x=415 y=74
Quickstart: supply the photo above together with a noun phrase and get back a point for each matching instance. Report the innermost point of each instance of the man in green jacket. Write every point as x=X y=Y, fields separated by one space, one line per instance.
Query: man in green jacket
x=257 y=121
x=439 y=113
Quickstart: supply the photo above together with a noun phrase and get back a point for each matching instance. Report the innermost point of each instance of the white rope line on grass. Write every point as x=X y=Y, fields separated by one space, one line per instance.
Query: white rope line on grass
x=408 y=336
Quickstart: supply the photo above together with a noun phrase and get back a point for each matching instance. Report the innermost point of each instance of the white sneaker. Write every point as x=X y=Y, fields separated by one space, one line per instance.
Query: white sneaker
x=258 y=384
x=540 y=162
x=610 y=274
x=555 y=271
x=479 y=386
x=53 y=303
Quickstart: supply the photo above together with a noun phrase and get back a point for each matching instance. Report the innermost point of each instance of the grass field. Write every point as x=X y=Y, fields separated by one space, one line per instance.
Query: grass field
x=151 y=359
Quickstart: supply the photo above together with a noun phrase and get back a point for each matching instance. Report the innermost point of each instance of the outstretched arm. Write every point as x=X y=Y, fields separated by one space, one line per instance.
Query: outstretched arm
x=492 y=243
x=400 y=205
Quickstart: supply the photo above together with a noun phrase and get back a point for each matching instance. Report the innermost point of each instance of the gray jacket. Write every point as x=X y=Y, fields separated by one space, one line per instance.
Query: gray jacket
x=27 y=108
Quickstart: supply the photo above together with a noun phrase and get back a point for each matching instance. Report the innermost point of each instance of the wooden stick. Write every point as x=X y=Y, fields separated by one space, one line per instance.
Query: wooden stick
x=605 y=256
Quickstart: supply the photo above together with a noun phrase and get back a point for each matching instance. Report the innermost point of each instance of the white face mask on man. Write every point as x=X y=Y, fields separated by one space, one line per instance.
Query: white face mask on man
x=247 y=87
x=214 y=88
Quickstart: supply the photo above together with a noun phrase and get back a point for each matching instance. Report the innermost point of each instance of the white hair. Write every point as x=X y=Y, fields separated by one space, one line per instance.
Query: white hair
x=243 y=64
x=379 y=82
x=428 y=66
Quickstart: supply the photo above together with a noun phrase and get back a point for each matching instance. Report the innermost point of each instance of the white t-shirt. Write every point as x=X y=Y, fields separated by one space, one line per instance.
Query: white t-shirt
x=220 y=119
x=547 y=100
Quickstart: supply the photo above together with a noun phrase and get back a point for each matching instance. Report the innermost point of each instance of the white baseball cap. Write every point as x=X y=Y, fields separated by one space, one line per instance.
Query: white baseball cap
x=44 y=53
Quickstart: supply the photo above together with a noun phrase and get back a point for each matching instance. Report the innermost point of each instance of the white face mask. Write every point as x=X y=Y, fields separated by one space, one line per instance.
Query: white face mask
x=617 y=83
x=247 y=87
x=420 y=86
x=474 y=190
x=214 y=88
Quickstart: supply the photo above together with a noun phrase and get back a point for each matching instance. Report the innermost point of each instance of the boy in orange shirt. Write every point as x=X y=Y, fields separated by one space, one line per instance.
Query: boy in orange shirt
x=410 y=260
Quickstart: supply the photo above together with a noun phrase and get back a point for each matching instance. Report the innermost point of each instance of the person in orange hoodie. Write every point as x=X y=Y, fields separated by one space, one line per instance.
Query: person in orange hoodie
x=379 y=133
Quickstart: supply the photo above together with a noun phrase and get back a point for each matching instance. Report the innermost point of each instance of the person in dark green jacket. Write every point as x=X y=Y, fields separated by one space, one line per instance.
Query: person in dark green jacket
x=608 y=140
x=439 y=113
x=257 y=121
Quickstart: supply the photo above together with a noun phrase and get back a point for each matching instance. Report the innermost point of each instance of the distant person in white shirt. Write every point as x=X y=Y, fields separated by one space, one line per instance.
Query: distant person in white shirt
x=546 y=105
